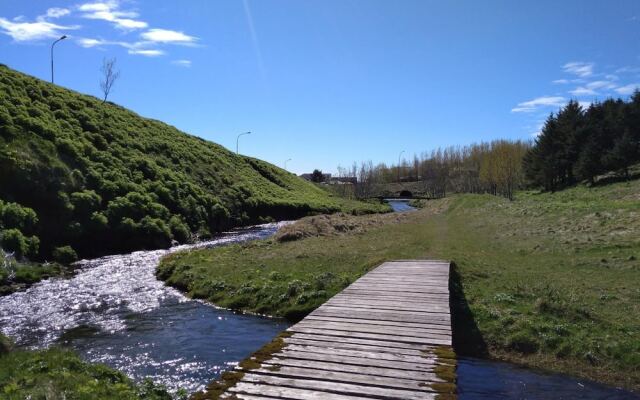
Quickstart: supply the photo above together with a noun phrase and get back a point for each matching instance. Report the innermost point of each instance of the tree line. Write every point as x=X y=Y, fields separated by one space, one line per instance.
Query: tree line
x=489 y=167
x=578 y=145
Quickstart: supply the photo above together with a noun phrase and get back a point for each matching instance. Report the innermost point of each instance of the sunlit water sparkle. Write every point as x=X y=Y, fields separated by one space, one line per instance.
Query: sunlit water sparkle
x=115 y=311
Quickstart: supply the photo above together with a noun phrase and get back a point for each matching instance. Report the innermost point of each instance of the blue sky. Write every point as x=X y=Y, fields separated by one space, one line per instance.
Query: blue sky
x=329 y=82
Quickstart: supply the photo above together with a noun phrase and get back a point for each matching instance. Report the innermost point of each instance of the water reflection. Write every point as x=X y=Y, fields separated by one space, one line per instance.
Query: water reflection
x=484 y=380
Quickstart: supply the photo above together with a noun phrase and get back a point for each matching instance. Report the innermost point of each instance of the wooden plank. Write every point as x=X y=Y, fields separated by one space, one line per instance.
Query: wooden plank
x=295 y=340
x=346 y=377
x=427 y=375
x=368 y=342
x=427 y=365
x=418 y=306
x=376 y=355
x=357 y=308
x=370 y=328
x=390 y=338
x=438 y=319
x=379 y=322
x=249 y=388
x=335 y=387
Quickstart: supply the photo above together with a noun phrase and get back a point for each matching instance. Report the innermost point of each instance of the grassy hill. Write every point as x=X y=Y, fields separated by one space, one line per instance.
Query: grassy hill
x=79 y=176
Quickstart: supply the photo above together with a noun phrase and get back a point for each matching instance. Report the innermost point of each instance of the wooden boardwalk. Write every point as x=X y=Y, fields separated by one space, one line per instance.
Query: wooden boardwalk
x=386 y=336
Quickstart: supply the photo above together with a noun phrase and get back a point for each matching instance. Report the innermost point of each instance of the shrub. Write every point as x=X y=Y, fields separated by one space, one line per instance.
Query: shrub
x=65 y=255
x=14 y=241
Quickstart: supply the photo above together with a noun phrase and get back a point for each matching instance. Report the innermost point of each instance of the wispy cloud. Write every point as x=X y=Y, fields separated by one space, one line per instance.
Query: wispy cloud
x=560 y=81
x=581 y=69
x=167 y=36
x=56 y=12
x=146 y=52
x=545 y=101
x=628 y=89
x=182 y=63
x=583 y=91
x=110 y=11
x=32 y=31
x=135 y=48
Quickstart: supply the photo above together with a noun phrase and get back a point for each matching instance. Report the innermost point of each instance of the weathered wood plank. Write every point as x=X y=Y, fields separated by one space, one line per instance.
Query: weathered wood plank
x=369 y=328
x=346 y=377
x=335 y=387
x=249 y=388
x=436 y=319
x=369 y=342
x=390 y=338
x=349 y=319
x=352 y=346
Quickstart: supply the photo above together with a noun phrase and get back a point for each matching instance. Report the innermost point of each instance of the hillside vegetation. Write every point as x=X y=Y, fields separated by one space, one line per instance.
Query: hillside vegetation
x=548 y=280
x=82 y=178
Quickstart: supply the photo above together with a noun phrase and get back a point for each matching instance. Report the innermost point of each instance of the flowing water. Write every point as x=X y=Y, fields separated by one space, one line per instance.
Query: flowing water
x=400 y=205
x=490 y=380
x=115 y=311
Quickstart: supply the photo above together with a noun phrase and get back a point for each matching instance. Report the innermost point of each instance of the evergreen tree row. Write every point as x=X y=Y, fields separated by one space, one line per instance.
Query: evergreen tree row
x=577 y=145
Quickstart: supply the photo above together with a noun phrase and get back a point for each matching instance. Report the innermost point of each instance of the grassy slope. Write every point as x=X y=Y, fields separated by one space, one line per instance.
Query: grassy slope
x=93 y=172
x=550 y=280
x=59 y=374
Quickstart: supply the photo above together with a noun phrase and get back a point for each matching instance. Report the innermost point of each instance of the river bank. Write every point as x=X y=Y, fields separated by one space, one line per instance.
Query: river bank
x=548 y=281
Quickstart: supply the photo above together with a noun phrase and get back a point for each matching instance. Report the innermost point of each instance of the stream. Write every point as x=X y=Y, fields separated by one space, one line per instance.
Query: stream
x=115 y=311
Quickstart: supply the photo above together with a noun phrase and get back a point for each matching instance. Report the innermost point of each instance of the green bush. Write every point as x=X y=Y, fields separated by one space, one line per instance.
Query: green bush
x=65 y=255
x=14 y=241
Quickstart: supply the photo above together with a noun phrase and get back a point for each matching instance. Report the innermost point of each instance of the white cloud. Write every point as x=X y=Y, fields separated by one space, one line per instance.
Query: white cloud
x=87 y=42
x=167 y=36
x=560 y=81
x=601 y=85
x=581 y=69
x=57 y=12
x=545 y=101
x=628 y=89
x=583 y=91
x=146 y=52
x=32 y=31
x=182 y=63
x=110 y=11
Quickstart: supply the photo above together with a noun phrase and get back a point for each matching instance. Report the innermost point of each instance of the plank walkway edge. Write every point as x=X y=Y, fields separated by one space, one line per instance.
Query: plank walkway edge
x=386 y=336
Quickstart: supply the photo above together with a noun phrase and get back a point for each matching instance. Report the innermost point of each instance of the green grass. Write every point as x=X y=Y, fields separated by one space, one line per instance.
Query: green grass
x=548 y=280
x=16 y=275
x=102 y=179
x=57 y=374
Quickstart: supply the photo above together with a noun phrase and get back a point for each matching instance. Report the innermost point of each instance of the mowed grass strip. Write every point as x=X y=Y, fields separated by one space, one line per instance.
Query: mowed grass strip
x=548 y=280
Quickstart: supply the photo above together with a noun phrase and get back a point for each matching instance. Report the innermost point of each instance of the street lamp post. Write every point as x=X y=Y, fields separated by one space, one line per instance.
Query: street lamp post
x=399 y=155
x=238 y=139
x=285 y=163
x=53 y=44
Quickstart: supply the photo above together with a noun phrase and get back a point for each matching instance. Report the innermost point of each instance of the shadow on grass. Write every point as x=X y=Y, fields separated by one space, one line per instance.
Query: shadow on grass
x=467 y=339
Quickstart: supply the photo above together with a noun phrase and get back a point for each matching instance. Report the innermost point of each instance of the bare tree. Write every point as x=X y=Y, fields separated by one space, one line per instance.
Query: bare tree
x=109 y=76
